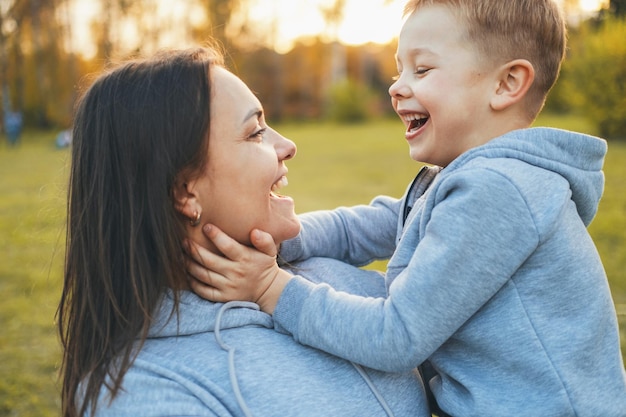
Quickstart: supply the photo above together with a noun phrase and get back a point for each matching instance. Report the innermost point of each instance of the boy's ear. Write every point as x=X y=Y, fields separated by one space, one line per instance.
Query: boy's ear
x=186 y=198
x=514 y=80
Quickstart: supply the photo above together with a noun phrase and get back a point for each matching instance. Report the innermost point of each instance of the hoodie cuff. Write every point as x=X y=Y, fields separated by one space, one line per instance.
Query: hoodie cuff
x=290 y=250
x=289 y=307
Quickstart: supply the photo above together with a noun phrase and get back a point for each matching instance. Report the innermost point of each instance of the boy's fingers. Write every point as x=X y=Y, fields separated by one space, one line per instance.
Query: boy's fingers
x=196 y=252
x=206 y=291
x=199 y=272
x=205 y=257
x=264 y=242
x=224 y=243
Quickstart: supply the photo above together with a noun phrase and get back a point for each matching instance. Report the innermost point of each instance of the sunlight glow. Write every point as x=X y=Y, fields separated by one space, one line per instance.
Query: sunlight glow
x=590 y=5
x=363 y=20
x=280 y=22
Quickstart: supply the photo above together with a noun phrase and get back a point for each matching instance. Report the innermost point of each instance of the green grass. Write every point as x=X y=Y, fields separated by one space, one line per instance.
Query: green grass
x=335 y=165
x=32 y=184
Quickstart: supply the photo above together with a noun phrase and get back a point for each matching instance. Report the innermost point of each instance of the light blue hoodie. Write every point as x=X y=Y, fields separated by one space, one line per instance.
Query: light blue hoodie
x=494 y=280
x=227 y=360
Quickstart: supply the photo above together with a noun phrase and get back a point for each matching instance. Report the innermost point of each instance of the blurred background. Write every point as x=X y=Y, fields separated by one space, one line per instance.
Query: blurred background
x=311 y=59
x=321 y=68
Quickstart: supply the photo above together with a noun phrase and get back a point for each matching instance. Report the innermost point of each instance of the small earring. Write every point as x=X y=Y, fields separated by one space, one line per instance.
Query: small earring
x=196 y=220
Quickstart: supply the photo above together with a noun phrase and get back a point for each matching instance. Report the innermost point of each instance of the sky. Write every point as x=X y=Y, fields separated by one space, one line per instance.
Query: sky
x=364 y=21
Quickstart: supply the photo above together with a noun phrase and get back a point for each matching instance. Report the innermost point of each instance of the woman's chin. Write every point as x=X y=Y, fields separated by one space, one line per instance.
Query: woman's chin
x=288 y=230
x=295 y=229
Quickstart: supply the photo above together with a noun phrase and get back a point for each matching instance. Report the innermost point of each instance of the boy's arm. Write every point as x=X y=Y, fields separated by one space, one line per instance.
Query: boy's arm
x=357 y=235
x=479 y=233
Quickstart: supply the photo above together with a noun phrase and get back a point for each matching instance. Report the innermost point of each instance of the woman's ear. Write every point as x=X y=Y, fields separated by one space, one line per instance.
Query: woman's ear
x=514 y=81
x=186 y=198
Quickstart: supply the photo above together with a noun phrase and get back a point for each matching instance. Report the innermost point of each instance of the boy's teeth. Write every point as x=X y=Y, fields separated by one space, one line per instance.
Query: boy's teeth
x=411 y=117
x=415 y=121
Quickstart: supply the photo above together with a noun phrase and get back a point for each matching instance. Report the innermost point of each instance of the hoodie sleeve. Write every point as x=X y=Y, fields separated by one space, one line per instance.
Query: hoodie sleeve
x=356 y=235
x=476 y=232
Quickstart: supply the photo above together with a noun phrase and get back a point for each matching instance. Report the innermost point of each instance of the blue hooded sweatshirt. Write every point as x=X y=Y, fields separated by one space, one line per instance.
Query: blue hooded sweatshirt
x=227 y=360
x=493 y=280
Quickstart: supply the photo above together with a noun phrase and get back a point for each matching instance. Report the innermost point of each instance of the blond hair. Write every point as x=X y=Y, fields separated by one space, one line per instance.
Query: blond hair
x=513 y=29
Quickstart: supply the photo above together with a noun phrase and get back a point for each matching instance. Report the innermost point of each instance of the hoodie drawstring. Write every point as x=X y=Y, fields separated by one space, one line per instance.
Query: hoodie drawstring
x=231 y=352
x=373 y=388
x=233 y=374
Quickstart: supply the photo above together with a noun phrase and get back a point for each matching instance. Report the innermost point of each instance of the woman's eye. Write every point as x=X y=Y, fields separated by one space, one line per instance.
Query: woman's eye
x=258 y=135
x=421 y=70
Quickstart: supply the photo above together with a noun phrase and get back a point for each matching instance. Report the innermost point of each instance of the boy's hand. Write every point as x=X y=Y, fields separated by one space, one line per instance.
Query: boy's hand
x=243 y=273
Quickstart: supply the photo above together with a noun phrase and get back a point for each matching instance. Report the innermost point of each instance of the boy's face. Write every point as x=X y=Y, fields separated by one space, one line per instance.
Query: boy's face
x=442 y=92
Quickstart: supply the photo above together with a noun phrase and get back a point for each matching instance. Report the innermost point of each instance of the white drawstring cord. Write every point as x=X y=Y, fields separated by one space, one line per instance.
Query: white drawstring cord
x=233 y=375
x=374 y=390
x=231 y=352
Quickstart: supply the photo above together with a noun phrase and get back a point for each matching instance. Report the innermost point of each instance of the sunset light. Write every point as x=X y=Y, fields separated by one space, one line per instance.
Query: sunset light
x=279 y=22
x=591 y=5
x=363 y=21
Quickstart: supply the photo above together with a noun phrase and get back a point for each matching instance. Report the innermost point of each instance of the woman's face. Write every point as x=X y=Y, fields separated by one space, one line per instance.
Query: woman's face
x=246 y=166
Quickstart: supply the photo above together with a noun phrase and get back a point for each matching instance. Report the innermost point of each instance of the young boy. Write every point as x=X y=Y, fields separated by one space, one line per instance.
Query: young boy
x=494 y=282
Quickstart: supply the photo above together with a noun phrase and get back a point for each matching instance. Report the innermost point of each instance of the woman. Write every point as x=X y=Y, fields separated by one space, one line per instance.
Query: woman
x=161 y=146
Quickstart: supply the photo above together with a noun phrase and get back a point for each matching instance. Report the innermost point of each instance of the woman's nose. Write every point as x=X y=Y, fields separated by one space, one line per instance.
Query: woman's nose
x=285 y=148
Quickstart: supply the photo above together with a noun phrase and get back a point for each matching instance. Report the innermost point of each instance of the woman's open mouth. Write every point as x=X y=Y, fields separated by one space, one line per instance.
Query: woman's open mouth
x=282 y=182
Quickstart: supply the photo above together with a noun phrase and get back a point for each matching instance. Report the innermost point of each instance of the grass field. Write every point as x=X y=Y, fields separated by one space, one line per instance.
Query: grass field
x=335 y=165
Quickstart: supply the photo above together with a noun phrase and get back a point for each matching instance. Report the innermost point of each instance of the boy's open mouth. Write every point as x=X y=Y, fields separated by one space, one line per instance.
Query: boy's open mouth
x=415 y=121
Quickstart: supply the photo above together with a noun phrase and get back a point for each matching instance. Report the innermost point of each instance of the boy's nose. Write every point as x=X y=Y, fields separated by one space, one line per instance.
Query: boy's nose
x=399 y=89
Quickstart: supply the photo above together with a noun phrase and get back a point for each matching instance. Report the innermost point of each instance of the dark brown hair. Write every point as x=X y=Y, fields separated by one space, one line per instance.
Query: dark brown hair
x=135 y=129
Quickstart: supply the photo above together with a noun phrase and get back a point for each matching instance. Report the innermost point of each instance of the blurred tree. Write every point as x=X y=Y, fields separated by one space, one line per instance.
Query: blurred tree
x=4 y=87
x=618 y=7
x=349 y=102
x=278 y=95
x=136 y=27
x=303 y=77
x=220 y=13
x=594 y=75
x=372 y=66
x=333 y=16
x=107 y=29
x=33 y=46
x=257 y=68
x=306 y=69
x=11 y=15
x=37 y=8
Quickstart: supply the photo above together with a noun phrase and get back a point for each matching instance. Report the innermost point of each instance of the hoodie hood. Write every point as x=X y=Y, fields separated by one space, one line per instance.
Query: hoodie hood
x=197 y=315
x=577 y=157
